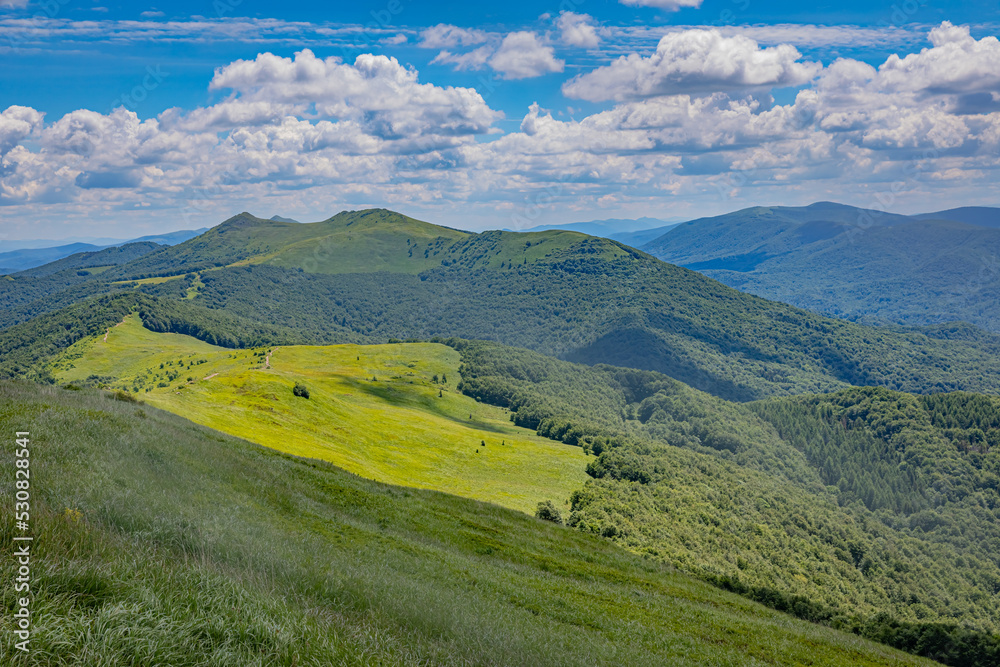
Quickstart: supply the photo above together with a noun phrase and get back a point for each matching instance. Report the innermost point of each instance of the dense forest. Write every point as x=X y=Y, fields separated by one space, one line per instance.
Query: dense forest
x=44 y=289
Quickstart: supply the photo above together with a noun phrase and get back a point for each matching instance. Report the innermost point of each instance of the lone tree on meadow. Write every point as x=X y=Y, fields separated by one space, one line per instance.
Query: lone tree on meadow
x=300 y=390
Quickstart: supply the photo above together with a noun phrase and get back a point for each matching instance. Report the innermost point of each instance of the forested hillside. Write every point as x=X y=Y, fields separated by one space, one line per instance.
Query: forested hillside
x=40 y=290
x=853 y=263
x=868 y=509
x=628 y=310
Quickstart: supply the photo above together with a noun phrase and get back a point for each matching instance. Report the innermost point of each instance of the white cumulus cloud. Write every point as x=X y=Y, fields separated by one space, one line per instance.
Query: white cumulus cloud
x=956 y=64
x=694 y=61
x=578 y=30
x=944 y=98
x=385 y=97
x=522 y=55
x=16 y=124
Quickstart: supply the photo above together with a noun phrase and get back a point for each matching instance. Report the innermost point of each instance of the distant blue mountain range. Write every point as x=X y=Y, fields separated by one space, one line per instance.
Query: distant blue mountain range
x=20 y=259
x=633 y=232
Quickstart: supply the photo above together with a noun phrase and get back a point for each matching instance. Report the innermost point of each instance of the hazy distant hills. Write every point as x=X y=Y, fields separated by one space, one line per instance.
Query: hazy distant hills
x=982 y=216
x=850 y=262
x=633 y=232
x=20 y=259
x=93 y=262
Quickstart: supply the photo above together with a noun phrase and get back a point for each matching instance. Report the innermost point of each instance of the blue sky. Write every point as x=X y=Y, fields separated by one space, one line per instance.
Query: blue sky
x=119 y=120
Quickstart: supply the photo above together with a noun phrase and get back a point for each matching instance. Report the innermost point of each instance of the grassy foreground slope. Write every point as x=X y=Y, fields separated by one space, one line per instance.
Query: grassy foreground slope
x=161 y=542
x=374 y=410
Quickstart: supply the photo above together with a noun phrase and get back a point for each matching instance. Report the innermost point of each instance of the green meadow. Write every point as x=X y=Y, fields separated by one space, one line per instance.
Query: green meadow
x=161 y=542
x=374 y=410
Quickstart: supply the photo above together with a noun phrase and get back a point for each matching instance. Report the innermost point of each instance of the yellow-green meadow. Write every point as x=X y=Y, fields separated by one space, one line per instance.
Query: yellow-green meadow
x=374 y=410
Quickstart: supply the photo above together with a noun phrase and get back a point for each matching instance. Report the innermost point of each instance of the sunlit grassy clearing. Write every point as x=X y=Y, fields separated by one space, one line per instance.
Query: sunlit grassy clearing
x=159 y=280
x=373 y=410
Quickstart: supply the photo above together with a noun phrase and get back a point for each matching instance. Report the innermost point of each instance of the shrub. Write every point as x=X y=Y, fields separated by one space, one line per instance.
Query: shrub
x=547 y=511
x=120 y=395
x=300 y=390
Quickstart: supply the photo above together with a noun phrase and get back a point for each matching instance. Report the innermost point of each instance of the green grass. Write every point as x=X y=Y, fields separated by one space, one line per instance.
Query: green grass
x=351 y=241
x=378 y=241
x=147 y=281
x=161 y=542
x=96 y=270
x=400 y=427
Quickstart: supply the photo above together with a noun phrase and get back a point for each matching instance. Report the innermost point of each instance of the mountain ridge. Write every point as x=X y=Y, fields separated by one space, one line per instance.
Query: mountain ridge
x=916 y=270
x=376 y=275
x=983 y=216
